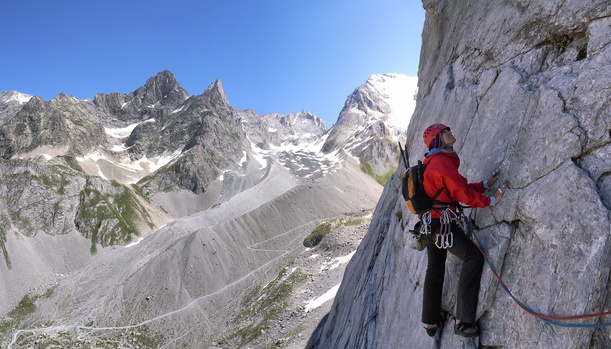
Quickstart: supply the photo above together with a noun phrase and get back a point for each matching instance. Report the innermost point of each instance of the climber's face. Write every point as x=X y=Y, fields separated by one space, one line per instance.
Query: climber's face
x=448 y=137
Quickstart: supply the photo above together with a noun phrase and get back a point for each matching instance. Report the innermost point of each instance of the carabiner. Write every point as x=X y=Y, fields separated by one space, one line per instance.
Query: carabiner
x=453 y=215
x=425 y=229
x=440 y=241
x=449 y=241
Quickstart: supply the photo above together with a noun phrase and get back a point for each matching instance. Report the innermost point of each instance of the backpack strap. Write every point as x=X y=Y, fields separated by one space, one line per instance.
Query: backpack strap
x=437 y=194
x=438 y=203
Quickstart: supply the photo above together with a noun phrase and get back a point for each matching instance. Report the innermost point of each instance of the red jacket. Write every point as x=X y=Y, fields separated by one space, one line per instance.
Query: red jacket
x=442 y=172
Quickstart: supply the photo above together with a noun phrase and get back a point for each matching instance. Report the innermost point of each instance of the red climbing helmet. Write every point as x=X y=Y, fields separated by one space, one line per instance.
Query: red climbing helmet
x=431 y=132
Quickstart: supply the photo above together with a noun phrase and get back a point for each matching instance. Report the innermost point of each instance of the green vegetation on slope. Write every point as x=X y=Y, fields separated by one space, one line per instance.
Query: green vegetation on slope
x=7 y=258
x=14 y=319
x=382 y=179
x=109 y=219
x=322 y=230
x=317 y=235
x=263 y=306
x=379 y=143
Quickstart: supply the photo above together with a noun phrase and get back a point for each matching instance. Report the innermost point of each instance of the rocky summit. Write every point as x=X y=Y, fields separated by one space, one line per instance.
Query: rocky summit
x=11 y=102
x=159 y=219
x=524 y=87
x=372 y=121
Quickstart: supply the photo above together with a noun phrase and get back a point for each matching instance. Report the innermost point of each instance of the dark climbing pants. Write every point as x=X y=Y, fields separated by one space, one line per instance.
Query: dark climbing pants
x=468 y=281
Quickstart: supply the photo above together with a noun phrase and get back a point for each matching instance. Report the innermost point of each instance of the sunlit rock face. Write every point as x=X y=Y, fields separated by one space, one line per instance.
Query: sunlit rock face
x=524 y=87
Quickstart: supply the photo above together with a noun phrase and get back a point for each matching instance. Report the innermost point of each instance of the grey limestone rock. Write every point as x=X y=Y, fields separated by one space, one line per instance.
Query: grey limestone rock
x=524 y=86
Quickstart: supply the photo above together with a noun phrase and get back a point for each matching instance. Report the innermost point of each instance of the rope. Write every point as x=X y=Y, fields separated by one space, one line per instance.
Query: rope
x=550 y=319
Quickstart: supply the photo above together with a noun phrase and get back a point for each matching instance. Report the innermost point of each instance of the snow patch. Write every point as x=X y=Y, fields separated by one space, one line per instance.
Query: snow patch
x=124 y=132
x=336 y=262
x=259 y=155
x=119 y=148
x=243 y=159
x=155 y=163
x=327 y=296
x=178 y=110
x=120 y=132
x=134 y=243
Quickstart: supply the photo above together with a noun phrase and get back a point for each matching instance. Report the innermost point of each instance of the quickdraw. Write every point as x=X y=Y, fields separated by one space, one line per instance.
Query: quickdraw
x=425 y=228
x=445 y=238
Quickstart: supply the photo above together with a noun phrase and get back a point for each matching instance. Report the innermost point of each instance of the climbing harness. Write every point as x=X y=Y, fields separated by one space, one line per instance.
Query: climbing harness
x=552 y=320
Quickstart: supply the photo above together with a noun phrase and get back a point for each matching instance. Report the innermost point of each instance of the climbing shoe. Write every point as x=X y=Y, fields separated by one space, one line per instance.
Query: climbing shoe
x=431 y=331
x=466 y=330
x=438 y=327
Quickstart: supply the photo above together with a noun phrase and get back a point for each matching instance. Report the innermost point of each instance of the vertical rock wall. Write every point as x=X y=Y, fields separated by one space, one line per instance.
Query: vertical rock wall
x=525 y=87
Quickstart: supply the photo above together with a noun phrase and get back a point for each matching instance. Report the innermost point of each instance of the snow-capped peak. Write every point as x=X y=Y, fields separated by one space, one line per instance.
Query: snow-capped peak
x=14 y=97
x=399 y=91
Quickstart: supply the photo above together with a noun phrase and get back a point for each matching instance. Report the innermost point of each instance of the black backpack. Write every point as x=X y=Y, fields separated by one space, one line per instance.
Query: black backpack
x=412 y=188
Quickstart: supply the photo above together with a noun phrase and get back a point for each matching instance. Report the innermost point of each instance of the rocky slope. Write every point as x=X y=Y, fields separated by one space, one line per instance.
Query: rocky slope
x=524 y=87
x=121 y=220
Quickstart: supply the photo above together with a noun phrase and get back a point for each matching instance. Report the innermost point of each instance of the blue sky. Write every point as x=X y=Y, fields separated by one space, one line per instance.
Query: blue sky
x=271 y=55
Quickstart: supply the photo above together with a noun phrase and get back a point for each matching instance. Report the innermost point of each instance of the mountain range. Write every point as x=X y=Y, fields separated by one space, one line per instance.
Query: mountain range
x=158 y=214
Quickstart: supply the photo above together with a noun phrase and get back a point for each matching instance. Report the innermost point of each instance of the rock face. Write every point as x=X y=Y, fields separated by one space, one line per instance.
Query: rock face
x=524 y=87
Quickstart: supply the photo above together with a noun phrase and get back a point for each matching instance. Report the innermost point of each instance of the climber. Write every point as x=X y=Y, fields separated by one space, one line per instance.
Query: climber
x=447 y=235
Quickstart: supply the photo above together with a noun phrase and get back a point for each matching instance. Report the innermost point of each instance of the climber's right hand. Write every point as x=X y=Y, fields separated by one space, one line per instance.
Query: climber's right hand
x=499 y=193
